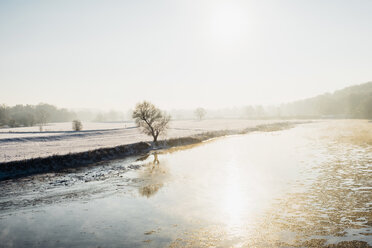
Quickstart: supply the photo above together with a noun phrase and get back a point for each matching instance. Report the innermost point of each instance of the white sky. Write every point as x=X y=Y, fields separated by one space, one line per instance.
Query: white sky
x=181 y=54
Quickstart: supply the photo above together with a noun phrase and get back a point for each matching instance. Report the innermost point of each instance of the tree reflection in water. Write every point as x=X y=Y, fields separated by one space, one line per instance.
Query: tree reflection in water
x=154 y=175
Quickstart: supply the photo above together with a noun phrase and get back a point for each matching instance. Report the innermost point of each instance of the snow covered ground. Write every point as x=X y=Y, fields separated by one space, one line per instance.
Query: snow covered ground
x=57 y=138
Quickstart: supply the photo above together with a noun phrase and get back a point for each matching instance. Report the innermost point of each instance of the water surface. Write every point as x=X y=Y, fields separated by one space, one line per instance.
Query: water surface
x=310 y=185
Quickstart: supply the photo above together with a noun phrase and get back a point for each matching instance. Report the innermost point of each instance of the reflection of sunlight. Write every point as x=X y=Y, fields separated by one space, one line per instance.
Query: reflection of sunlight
x=233 y=200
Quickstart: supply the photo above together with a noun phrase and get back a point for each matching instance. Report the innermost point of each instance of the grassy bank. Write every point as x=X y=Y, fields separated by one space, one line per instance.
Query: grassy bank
x=55 y=163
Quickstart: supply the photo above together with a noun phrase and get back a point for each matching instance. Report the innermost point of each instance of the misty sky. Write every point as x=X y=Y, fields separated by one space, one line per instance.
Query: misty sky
x=181 y=54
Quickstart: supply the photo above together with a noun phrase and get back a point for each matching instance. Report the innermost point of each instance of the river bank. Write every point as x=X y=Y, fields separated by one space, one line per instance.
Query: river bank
x=58 y=138
x=20 y=168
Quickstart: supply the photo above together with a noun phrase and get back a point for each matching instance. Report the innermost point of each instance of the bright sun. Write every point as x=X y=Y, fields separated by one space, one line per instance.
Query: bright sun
x=227 y=22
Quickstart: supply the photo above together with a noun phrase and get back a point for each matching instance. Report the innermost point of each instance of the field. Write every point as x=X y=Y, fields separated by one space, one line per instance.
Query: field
x=58 y=138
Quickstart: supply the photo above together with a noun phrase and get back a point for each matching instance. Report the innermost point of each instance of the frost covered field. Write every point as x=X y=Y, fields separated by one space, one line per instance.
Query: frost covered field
x=57 y=138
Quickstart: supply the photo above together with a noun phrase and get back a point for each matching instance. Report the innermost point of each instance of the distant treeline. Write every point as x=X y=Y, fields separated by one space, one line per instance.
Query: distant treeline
x=350 y=102
x=95 y=116
x=30 y=115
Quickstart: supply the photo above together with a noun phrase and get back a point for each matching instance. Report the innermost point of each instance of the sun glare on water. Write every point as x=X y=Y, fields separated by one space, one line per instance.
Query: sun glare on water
x=233 y=202
x=240 y=195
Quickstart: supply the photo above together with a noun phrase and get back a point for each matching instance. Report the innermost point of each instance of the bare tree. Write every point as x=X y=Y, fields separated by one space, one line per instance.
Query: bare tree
x=200 y=113
x=42 y=116
x=77 y=125
x=150 y=119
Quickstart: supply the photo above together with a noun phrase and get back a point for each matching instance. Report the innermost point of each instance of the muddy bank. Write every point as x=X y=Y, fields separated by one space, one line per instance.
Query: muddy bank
x=16 y=169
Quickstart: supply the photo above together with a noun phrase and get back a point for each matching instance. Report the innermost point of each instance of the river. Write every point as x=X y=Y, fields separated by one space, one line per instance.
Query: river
x=308 y=186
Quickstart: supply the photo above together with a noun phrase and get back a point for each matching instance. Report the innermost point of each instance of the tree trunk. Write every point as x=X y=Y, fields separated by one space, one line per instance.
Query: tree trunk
x=155 y=135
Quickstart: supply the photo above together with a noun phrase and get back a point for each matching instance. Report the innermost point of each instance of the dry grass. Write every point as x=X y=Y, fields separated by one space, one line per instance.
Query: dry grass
x=357 y=132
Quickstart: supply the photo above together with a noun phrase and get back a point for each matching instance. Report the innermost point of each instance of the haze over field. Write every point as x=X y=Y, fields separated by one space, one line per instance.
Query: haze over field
x=181 y=54
x=186 y=123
